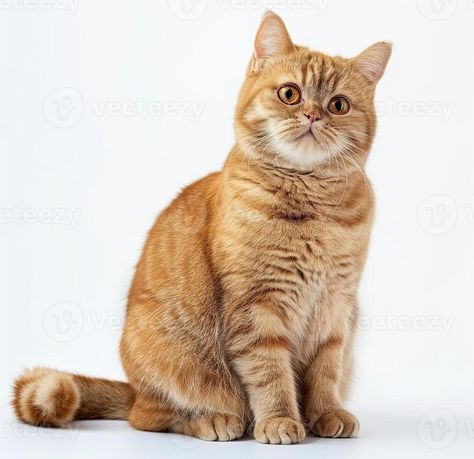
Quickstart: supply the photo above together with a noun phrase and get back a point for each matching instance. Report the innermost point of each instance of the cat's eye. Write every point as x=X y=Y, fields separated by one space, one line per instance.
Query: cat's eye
x=339 y=105
x=289 y=94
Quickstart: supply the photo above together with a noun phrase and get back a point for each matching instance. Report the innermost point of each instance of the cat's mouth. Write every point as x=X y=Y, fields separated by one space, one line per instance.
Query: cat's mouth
x=307 y=135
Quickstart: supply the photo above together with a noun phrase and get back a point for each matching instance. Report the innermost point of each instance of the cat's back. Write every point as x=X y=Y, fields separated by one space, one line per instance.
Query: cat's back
x=188 y=214
x=190 y=210
x=177 y=241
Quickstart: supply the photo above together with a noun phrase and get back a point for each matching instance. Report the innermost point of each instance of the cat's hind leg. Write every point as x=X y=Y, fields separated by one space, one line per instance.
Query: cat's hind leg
x=211 y=427
x=152 y=414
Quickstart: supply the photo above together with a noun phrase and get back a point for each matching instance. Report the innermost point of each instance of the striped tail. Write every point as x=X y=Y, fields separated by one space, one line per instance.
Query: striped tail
x=51 y=398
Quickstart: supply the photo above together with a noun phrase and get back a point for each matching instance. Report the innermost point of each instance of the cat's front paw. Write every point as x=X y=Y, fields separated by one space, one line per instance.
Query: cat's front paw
x=279 y=431
x=336 y=424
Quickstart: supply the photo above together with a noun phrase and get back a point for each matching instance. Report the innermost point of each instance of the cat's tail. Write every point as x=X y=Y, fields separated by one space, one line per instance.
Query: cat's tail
x=50 y=398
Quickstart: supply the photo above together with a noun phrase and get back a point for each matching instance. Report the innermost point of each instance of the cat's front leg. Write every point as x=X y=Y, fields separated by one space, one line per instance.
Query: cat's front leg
x=323 y=408
x=261 y=357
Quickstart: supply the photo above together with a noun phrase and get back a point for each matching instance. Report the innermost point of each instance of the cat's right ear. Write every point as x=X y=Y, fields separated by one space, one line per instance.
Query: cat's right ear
x=272 y=39
x=373 y=61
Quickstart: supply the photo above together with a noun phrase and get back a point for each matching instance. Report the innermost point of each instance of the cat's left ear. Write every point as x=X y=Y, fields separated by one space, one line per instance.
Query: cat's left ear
x=272 y=38
x=373 y=61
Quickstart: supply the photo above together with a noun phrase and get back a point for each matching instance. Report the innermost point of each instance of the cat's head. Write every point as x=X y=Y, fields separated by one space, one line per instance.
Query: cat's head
x=301 y=109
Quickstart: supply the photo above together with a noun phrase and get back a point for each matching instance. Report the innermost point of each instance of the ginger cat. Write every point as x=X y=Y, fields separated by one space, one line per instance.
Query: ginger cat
x=243 y=308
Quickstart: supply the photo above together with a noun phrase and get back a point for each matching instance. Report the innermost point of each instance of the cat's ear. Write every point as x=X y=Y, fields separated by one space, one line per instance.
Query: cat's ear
x=372 y=62
x=272 y=37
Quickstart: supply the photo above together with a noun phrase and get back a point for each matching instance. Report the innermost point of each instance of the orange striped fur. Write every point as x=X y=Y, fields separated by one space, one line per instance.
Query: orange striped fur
x=244 y=303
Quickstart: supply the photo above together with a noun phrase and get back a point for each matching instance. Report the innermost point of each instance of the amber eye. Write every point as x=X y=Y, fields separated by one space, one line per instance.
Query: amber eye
x=289 y=94
x=339 y=105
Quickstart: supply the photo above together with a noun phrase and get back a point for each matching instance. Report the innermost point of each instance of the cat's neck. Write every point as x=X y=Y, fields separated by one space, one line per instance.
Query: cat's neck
x=331 y=190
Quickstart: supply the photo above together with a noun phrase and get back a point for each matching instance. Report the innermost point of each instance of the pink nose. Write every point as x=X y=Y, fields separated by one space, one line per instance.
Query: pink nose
x=313 y=116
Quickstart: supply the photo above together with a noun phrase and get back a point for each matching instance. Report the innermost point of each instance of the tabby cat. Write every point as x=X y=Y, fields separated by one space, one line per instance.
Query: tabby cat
x=242 y=312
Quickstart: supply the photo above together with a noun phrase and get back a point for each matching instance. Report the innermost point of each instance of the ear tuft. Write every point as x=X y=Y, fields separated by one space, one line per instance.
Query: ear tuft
x=272 y=37
x=373 y=61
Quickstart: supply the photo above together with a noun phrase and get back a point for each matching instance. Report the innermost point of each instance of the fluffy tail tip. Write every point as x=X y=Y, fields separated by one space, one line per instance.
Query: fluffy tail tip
x=45 y=397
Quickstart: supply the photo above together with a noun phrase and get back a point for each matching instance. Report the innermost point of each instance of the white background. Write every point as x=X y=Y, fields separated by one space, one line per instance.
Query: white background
x=107 y=108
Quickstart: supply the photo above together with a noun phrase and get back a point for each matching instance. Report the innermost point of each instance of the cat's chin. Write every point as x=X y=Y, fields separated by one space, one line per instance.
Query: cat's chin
x=302 y=153
x=305 y=153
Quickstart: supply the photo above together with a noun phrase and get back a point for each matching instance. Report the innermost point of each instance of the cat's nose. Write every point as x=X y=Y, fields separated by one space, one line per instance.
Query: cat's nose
x=313 y=116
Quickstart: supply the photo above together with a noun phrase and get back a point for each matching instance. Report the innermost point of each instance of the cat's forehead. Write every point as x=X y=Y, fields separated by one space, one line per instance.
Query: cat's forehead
x=312 y=70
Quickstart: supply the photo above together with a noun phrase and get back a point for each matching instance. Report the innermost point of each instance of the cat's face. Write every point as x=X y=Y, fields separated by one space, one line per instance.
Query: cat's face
x=302 y=109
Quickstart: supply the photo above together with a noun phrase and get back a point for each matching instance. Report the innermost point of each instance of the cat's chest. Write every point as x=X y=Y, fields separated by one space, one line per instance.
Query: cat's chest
x=301 y=264
x=324 y=267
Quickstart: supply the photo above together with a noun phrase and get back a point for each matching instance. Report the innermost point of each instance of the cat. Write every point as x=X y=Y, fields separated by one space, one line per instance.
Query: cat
x=243 y=308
